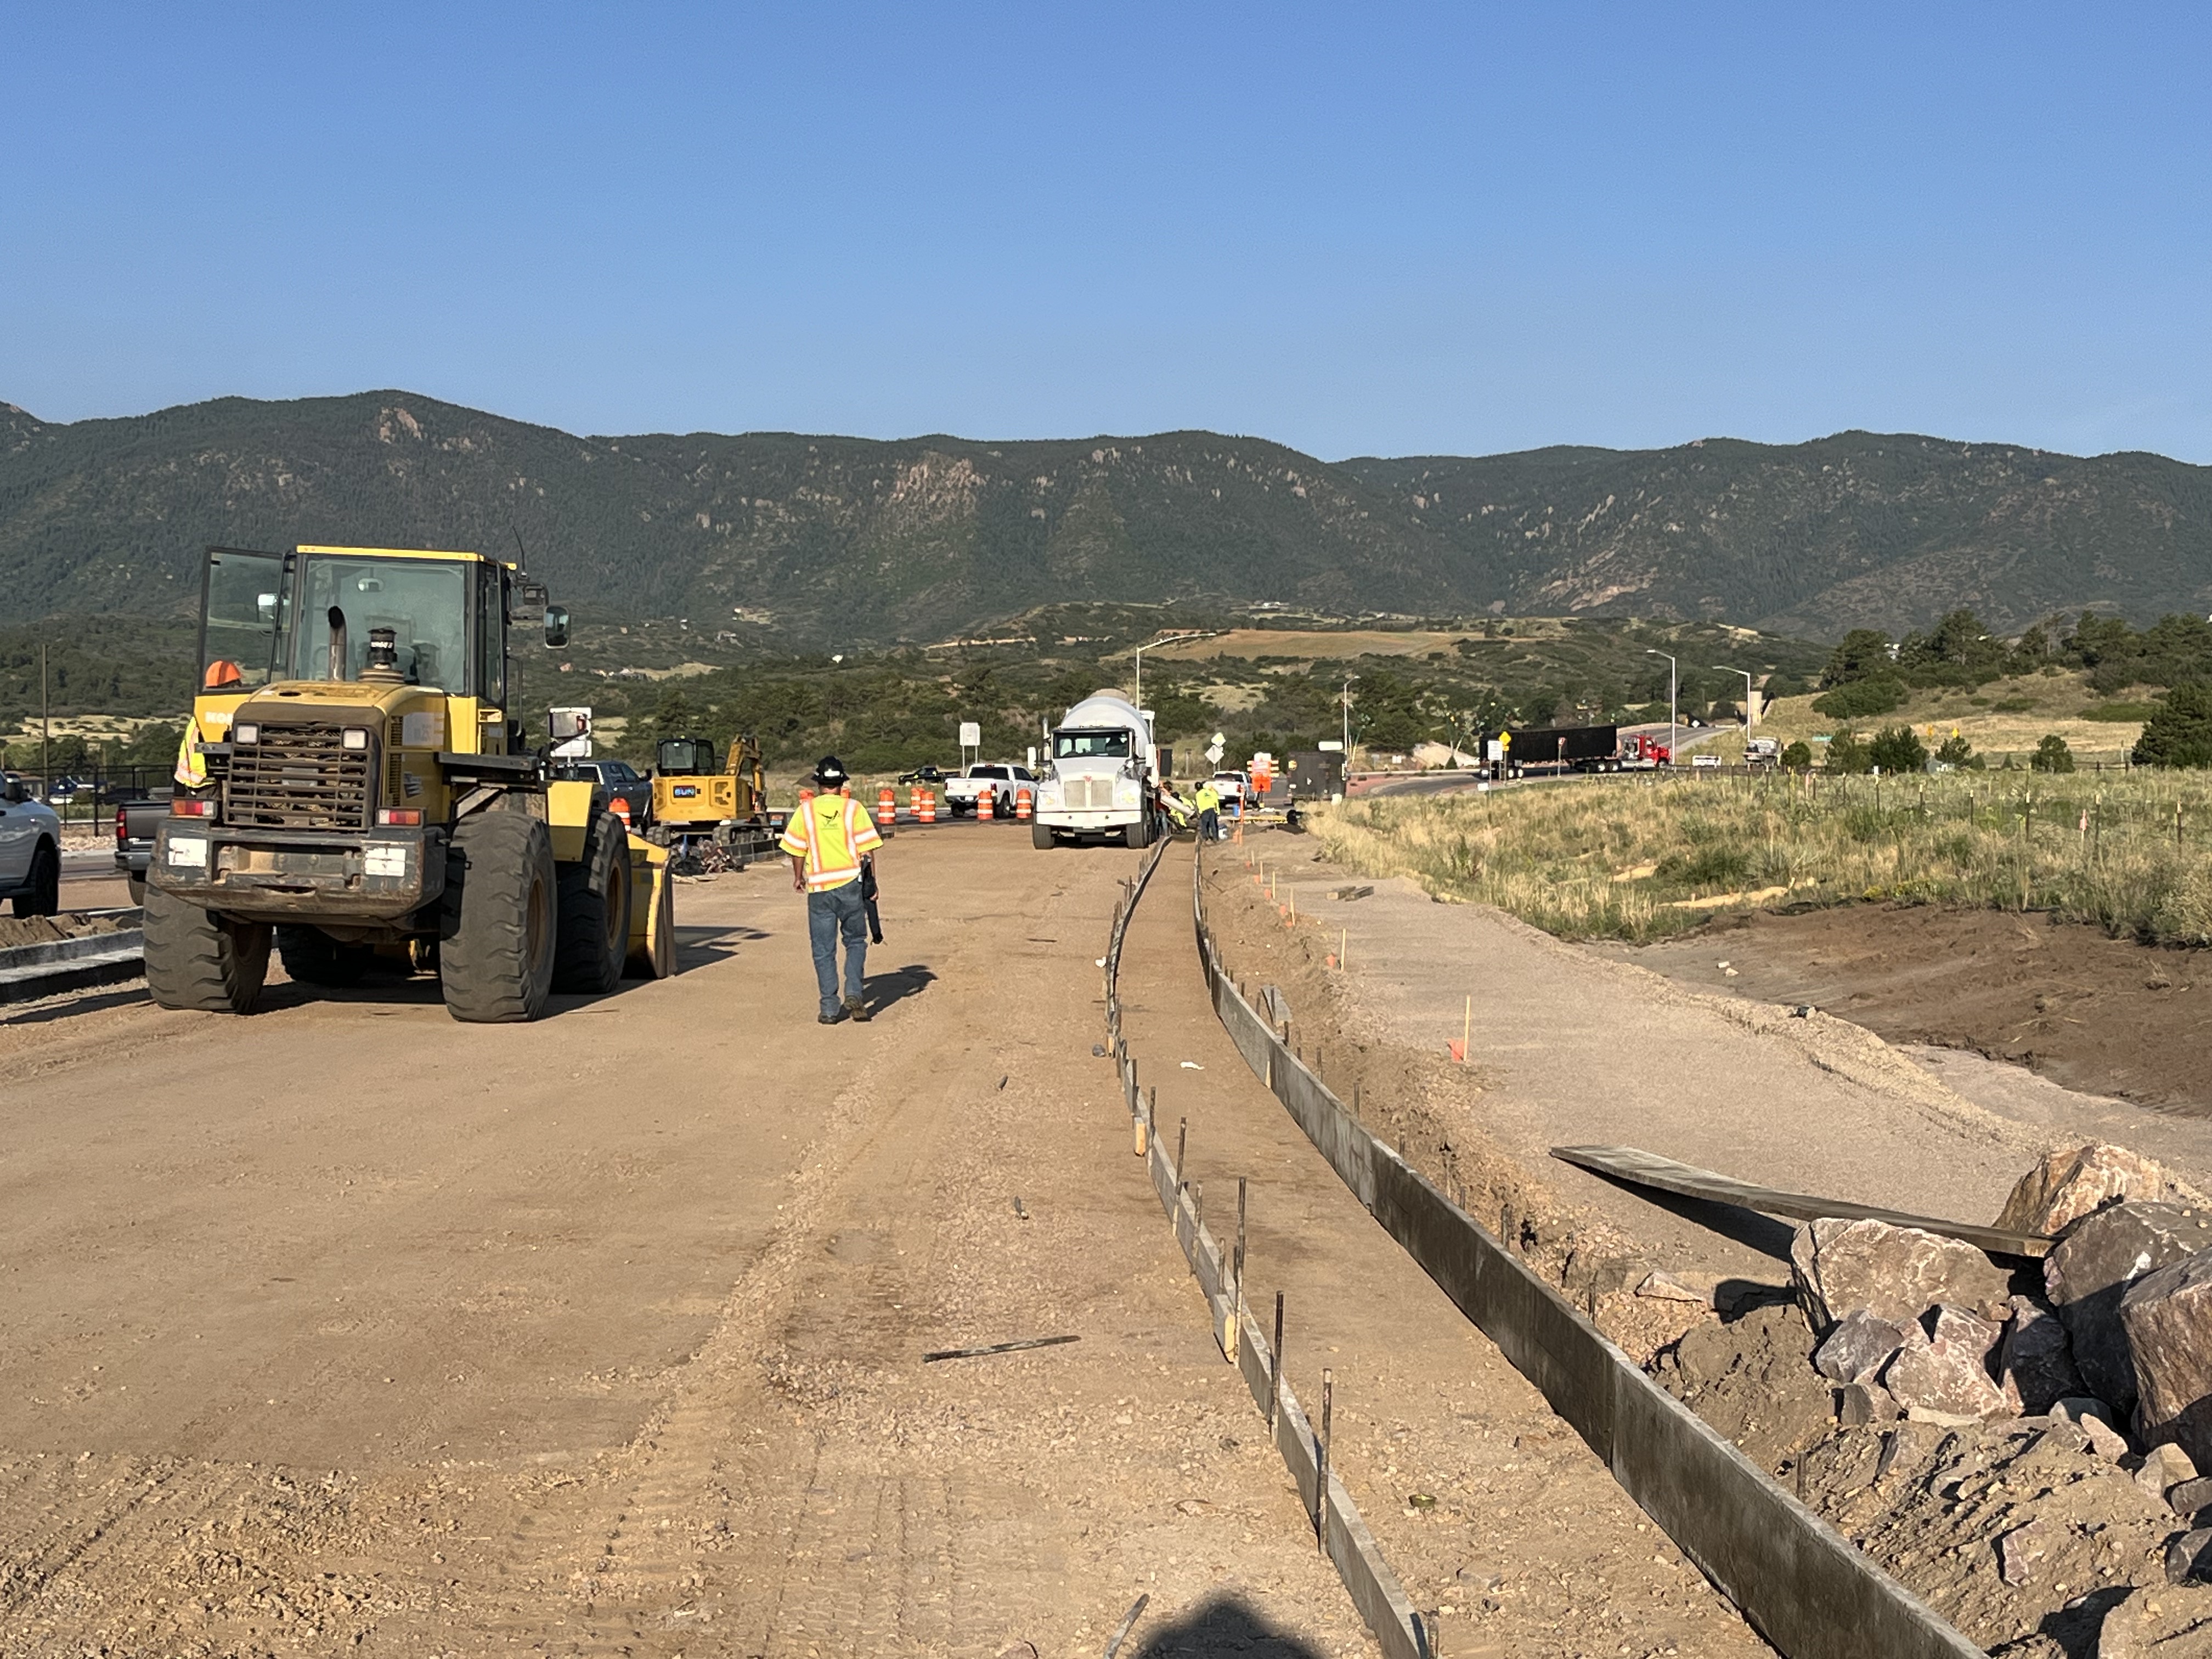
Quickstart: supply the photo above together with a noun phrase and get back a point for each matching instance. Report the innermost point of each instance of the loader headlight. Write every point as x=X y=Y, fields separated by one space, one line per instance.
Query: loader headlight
x=356 y=737
x=245 y=731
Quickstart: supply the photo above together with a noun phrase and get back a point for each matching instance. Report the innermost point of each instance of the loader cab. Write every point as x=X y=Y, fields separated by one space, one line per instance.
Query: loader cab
x=316 y=613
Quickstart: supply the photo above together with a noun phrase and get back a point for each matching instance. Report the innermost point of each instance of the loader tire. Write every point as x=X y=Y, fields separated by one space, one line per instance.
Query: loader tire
x=313 y=958
x=500 y=920
x=1040 y=836
x=200 y=960
x=594 y=911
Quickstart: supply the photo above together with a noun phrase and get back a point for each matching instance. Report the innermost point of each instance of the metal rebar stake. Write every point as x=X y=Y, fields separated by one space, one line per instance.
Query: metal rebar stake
x=1275 y=1382
x=1237 y=1262
x=1183 y=1138
x=1320 y=1462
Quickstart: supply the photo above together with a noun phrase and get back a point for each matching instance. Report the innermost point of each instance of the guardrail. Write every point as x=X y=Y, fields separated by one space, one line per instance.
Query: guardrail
x=1802 y=1583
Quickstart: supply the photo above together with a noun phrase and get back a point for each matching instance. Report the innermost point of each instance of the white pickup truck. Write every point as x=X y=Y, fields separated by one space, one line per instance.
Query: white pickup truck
x=996 y=778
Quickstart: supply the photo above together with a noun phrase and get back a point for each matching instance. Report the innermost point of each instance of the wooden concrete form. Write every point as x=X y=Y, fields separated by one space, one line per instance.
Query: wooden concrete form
x=1375 y=1589
x=1802 y=1583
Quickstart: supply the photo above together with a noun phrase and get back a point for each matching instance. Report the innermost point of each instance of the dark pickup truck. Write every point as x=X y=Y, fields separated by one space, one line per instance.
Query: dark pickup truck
x=137 y=822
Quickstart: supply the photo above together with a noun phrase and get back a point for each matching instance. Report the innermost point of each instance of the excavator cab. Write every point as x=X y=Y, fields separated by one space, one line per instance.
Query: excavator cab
x=683 y=756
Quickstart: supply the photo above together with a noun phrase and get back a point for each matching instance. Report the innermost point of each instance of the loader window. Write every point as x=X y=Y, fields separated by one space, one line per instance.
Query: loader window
x=1110 y=743
x=424 y=602
x=237 y=627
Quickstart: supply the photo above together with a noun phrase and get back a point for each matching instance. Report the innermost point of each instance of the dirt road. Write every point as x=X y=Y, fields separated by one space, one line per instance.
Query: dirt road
x=344 y=1327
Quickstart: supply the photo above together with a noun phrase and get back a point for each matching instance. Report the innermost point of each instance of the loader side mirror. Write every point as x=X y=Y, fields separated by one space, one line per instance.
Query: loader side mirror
x=556 y=625
x=568 y=724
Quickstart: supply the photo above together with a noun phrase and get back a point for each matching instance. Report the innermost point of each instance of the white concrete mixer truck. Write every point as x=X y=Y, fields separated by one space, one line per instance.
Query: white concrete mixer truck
x=1101 y=783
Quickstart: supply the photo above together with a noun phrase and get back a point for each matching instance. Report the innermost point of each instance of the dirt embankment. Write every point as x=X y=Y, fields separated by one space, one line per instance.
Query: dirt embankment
x=2018 y=1530
x=2103 y=1016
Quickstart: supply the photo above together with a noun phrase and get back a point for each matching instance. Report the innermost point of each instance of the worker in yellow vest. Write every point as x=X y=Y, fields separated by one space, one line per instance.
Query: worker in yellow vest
x=827 y=838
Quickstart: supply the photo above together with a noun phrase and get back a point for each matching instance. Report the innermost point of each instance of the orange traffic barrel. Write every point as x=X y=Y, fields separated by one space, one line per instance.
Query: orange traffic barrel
x=913 y=799
x=1021 y=803
x=620 y=808
x=929 y=807
x=983 y=807
x=886 y=804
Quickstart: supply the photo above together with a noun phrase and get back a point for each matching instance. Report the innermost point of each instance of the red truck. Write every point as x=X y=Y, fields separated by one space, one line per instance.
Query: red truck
x=1642 y=752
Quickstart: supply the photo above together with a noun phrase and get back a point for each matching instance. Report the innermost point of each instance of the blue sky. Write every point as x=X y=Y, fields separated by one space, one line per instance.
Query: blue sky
x=1357 y=229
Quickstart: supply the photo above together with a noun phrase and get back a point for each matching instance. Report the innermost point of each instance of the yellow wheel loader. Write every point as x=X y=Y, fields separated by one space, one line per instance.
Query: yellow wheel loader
x=351 y=787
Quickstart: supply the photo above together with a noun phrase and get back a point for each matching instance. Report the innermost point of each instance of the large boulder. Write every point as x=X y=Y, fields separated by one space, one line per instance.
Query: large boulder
x=2067 y=1185
x=1895 y=1274
x=2168 y=1316
x=2035 y=1362
x=2090 y=1270
x=1942 y=1373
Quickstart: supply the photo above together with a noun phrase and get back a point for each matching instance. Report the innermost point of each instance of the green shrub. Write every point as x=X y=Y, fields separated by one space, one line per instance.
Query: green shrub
x=1898 y=750
x=1847 y=754
x=2180 y=733
x=1724 y=867
x=1798 y=756
x=2120 y=713
x=1859 y=698
x=2051 y=755
x=1955 y=750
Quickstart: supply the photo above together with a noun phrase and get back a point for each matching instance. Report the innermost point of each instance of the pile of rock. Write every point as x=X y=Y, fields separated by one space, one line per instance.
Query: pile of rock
x=2119 y=1340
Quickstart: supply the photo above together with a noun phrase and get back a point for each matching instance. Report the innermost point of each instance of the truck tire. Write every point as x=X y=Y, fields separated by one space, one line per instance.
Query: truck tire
x=1040 y=836
x=312 y=957
x=1137 y=836
x=42 y=896
x=500 y=920
x=200 y=960
x=594 y=911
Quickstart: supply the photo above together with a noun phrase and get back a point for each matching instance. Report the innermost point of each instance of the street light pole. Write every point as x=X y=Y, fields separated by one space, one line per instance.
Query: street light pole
x=1725 y=669
x=1175 y=639
x=1672 y=682
x=1348 y=679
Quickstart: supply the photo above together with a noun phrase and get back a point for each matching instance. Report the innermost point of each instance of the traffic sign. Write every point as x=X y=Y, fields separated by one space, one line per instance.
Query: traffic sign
x=971 y=734
x=1214 y=751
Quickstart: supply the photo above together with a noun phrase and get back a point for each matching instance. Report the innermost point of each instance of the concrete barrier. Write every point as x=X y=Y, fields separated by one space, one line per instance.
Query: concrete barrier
x=1802 y=1583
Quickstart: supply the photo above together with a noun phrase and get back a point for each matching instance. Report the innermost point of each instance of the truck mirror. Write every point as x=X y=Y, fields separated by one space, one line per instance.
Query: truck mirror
x=556 y=625
x=12 y=791
x=570 y=723
x=265 y=605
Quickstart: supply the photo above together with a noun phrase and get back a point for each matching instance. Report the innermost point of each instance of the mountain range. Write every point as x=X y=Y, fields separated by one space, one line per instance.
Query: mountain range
x=808 y=541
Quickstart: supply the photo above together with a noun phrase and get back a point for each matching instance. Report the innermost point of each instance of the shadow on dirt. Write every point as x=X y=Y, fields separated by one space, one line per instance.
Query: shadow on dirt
x=897 y=986
x=1222 y=1627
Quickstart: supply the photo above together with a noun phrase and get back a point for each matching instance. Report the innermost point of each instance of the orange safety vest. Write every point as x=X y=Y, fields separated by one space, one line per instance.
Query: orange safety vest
x=831 y=832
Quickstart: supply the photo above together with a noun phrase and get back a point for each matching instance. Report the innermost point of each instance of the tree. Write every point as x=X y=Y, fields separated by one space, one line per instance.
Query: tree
x=1864 y=653
x=1857 y=698
x=2051 y=755
x=1898 y=749
x=1955 y=750
x=1798 y=756
x=1847 y=754
x=2180 y=733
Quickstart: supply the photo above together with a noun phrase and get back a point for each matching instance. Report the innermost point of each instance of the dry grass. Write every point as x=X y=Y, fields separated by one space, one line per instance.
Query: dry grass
x=2008 y=718
x=1641 y=859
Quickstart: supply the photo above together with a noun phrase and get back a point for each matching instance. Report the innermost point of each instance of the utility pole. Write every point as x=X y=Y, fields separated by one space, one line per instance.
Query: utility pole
x=1672 y=682
x=45 y=726
x=1149 y=644
x=1348 y=679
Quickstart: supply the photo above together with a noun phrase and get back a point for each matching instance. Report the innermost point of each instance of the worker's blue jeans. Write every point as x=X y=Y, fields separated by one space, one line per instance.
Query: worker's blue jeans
x=829 y=913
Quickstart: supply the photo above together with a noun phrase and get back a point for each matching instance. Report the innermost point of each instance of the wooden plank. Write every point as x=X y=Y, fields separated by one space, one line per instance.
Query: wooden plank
x=1643 y=1169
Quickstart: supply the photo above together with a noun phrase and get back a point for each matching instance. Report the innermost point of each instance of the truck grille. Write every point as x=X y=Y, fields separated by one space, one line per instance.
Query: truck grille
x=1088 y=794
x=299 y=777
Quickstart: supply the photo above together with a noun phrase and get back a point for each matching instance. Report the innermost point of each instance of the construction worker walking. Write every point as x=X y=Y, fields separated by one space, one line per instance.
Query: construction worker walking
x=1208 y=800
x=826 y=839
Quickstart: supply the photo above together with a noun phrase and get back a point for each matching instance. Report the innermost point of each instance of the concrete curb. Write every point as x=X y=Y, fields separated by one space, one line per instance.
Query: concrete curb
x=28 y=972
x=1375 y=1589
x=1802 y=1584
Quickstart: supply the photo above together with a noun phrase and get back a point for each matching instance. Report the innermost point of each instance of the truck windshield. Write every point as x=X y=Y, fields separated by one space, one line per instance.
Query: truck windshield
x=1110 y=743
x=424 y=602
